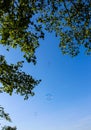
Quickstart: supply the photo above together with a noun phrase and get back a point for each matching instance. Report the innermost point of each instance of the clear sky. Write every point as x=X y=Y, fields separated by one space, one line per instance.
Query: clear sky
x=62 y=100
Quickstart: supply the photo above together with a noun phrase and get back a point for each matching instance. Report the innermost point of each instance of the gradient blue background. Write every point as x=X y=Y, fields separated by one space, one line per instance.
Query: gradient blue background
x=62 y=100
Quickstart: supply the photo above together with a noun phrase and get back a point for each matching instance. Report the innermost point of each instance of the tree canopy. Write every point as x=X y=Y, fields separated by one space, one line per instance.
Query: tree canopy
x=23 y=24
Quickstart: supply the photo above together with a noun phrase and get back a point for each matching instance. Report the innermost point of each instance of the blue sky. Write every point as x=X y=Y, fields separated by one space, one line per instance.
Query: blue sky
x=62 y=100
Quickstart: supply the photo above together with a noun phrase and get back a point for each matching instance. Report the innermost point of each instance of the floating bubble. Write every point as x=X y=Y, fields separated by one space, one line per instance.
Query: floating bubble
x=35 y=114
x=49 y=97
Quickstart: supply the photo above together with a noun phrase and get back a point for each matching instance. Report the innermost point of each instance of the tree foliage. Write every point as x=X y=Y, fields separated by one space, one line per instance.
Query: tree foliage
x=4 y=115
x=9 y=128
x=23 y=24
x=13 y=79
x=71 y=22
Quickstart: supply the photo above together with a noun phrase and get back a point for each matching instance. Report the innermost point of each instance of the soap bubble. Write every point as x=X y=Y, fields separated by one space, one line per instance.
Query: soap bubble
x=35 y=114
x=49 y=97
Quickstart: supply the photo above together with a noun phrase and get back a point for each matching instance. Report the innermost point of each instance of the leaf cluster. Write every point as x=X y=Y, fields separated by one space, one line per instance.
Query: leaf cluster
x=13 y=79
x=4 y=115
x=9 y=128
x=70 y=20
